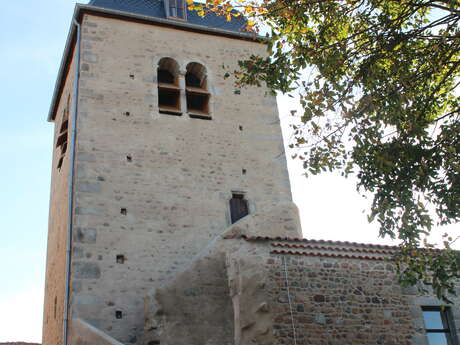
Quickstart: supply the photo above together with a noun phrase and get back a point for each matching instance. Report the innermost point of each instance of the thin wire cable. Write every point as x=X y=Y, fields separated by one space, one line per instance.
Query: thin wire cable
x=289 y=300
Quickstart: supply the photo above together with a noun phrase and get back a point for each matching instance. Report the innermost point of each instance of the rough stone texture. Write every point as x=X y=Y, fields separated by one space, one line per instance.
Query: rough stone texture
x=194 y=309
x=344 y=301
x=82 y=333
x=155 y=259
x=57 y=229
x=333 y=300
x=163 y=206
x=252 y=308
x=221 y=296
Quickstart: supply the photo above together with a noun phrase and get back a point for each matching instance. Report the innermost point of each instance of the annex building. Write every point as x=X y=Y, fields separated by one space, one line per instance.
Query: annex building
x=171 y=217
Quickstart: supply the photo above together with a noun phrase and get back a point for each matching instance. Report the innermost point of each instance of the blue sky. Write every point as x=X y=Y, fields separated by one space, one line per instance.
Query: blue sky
x=32 y=38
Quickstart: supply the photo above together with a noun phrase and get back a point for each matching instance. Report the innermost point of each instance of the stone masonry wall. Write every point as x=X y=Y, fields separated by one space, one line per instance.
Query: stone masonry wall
x=338 y=301
x=175 y=190
x=57 y=228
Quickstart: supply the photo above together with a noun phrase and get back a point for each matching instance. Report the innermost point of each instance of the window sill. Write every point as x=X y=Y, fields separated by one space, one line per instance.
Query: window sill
x=168 y=86
x=199 y=115
x=197 y=90
x=170 y=111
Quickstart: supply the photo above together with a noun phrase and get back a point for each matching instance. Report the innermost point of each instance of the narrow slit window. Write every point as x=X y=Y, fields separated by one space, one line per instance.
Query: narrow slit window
x=197 y=94
x=55 y=307
x=238 y=207
x=63 y=136
x=168 y=87
x=438 y=326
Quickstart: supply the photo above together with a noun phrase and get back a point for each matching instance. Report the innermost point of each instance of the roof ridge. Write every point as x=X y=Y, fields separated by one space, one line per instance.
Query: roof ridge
x=306 y=240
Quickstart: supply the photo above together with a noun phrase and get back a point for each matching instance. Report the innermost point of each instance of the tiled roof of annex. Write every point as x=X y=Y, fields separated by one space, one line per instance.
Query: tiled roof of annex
x=323 y=248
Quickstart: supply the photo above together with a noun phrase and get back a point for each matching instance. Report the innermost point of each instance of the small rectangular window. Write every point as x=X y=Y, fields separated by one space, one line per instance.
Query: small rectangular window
x=438 y=326
x=177 y=9
x=238 y=207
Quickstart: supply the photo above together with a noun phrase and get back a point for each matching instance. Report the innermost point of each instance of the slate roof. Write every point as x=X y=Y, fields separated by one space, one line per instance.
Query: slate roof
x=155 y=8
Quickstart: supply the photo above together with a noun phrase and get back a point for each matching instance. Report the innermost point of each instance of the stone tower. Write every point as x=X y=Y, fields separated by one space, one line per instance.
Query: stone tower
x=155 y=155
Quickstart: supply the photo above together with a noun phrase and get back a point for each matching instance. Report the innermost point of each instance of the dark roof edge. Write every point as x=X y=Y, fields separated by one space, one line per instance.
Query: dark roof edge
x=80 y=8
x=62 y=67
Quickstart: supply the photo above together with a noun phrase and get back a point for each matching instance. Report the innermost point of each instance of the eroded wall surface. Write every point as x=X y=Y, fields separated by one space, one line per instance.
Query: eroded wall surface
x=222 y=295
x=175 y=189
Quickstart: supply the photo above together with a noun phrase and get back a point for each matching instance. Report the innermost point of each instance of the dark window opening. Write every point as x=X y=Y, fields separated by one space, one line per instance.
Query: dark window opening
x=192 y=80
x=237 y=92
x=198 y=103
x=123 y=211
x=118 y=314
x=240 y=127
x=243 y=171
x=61 y=161
x=165 y=76
x=62 y=139
x=65 y=125
x=63 y=135
x=168 y=87
x=196 y=91
x=127 y=113
x=131 y=76
x=129 y=158
x=438 y=326
x=169 y=101
x=238 y=207
x=64 y=148
x=120 y=259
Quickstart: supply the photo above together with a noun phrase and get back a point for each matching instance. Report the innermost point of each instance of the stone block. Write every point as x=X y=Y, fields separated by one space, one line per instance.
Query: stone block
x=86 y=235
x=86 y=270
x=89 y=187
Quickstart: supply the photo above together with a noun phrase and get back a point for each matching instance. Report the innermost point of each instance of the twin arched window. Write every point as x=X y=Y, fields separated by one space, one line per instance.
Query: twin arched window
x=172 y=94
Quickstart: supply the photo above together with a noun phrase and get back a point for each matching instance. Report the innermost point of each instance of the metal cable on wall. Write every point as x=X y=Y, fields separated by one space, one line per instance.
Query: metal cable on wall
x=289 y=300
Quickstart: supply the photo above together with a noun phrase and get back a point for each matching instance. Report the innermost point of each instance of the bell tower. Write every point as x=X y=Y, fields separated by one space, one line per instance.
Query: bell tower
x=155 y=155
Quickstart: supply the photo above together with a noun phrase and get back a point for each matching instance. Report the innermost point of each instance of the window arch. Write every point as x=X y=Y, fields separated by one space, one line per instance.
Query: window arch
x=168 y=87
x=197 y=94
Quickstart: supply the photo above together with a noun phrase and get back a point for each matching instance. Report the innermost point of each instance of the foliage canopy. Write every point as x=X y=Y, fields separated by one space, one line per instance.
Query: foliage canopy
x=378 y=84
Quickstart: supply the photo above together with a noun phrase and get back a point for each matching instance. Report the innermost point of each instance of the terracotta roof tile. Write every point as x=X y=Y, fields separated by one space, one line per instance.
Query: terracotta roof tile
x=322 y=247
x=311 y=241
x=328 y=255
